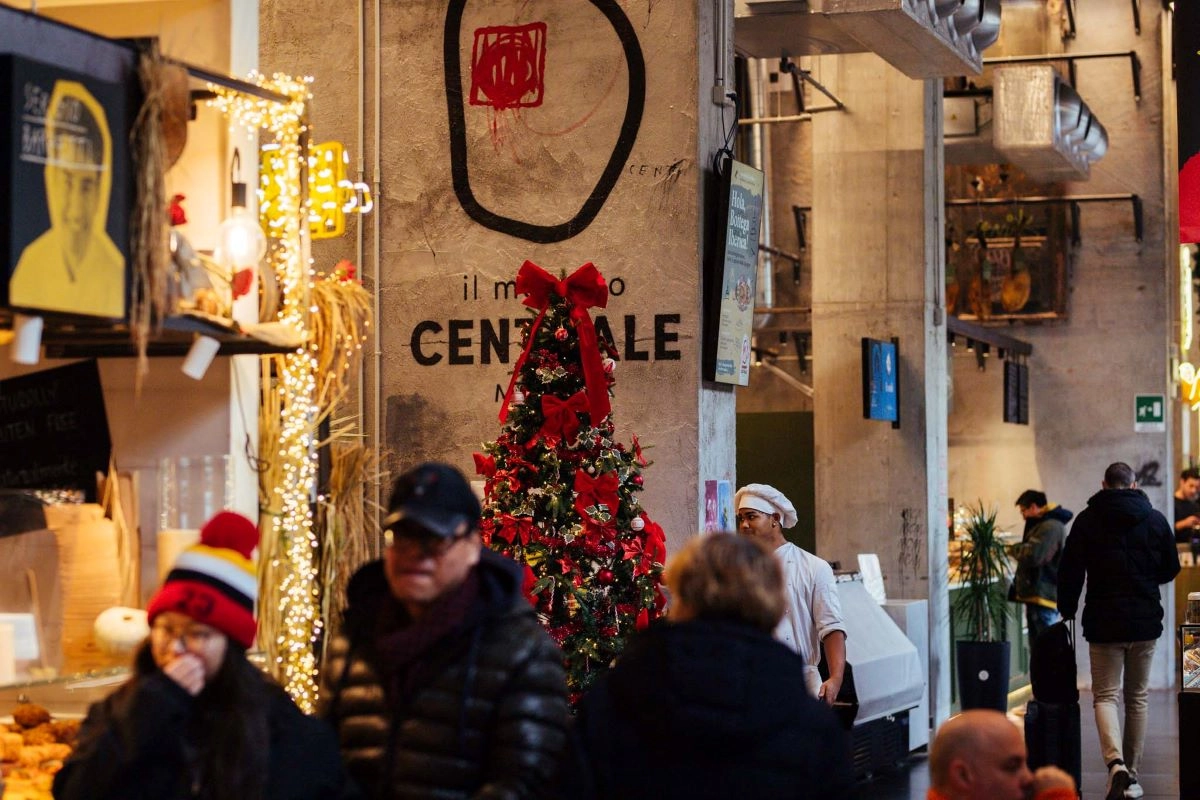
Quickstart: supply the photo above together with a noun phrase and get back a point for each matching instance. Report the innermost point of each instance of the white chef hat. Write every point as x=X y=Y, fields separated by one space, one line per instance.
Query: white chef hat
x=768 y=500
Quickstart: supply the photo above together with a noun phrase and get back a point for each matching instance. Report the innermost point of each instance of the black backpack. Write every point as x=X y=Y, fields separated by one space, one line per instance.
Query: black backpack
x=1052 y=665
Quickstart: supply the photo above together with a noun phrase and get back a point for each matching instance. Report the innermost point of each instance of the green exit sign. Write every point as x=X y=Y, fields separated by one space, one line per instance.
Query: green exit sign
x=1149 y=413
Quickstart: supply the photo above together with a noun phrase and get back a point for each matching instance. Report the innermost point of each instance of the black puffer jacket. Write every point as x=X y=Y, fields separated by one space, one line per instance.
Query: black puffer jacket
x=701 y=709
x=1126 y=549
x=487 y=720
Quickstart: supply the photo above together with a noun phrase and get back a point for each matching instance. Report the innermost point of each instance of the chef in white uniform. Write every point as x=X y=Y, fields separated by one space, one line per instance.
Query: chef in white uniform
x=814 y=615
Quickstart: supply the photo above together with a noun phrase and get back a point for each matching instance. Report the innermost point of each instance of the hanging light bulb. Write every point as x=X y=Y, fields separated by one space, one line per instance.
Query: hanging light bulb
x=241 y=243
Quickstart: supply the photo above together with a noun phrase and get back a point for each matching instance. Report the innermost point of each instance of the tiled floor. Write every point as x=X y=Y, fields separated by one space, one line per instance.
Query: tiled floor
x=1159 y=770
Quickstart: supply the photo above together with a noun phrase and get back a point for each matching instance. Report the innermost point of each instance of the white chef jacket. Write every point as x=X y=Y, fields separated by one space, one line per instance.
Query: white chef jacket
x=814 y=610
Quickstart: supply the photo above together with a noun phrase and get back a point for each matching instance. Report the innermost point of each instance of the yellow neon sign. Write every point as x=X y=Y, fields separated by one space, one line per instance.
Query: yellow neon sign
x=331 y=195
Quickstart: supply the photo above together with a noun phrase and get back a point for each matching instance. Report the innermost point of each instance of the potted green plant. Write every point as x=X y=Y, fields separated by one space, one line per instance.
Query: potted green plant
x=981 y=608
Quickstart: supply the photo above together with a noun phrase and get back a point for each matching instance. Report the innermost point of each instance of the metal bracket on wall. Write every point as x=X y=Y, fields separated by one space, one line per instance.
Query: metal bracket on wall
x=802 y=75
x=1073 y=202
x=792 y=257
x=1135 y=64
x=800 y=213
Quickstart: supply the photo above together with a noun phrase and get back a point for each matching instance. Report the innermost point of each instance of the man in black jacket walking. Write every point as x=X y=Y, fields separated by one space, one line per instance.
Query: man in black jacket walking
x=443 y=684
x=1125 y=549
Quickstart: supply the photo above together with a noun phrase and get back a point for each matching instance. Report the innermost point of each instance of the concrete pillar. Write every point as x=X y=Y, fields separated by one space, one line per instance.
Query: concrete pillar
x=447 y=342
x=878 y=194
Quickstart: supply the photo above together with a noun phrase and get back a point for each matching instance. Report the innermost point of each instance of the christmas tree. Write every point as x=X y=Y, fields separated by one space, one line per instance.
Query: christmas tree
x=560 y=495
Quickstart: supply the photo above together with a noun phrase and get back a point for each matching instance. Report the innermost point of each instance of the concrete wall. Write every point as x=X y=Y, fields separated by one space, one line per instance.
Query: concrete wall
x=442 y=273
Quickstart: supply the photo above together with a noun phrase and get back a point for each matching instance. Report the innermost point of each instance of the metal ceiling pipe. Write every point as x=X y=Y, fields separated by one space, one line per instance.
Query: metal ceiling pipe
x=946 y=8
x=1095 y=141
x=1068 y=109
x=758 y=70
x=967 y=16
x=987 y=31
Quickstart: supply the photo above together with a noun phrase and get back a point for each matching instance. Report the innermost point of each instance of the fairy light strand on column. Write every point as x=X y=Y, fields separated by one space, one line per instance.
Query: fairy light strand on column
x=293 y=592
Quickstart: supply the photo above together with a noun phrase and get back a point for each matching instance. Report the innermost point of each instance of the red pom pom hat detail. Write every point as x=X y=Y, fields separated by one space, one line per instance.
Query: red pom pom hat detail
x=215 y=582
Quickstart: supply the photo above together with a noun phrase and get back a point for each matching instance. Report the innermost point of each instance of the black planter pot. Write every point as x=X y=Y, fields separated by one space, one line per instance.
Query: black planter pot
x=983 y=674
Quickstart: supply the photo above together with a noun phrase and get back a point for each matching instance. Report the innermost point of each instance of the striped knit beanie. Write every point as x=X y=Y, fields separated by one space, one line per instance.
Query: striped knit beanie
x=214 y=582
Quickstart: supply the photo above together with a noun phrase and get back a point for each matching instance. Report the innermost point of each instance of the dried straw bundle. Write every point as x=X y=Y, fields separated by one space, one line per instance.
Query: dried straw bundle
x=149 y=229
x=270 y=475
x=345 y=528
x=339 y=327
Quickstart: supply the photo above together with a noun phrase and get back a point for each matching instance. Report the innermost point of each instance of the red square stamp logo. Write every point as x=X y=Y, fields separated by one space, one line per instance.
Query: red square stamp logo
x=508 y=66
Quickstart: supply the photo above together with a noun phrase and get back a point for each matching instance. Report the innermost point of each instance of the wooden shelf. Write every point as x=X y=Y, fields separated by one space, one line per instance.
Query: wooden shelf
x=99 y=340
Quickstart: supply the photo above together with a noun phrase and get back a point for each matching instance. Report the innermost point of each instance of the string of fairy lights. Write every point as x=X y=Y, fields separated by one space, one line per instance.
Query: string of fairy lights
x=298 y=596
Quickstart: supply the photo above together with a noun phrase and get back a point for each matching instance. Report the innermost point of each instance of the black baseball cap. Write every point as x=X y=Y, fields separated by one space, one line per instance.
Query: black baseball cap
x=435 y=496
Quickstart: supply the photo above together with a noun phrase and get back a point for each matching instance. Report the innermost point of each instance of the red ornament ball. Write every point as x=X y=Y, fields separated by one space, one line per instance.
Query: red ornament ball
x=637 y=480
x=561 y=334
x=605 y=577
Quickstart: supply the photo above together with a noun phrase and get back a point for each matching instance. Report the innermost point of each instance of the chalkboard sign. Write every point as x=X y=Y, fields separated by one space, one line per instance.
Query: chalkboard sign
x=54 y=430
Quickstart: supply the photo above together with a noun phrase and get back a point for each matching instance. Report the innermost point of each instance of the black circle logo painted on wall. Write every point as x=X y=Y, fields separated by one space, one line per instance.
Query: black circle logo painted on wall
x=634 y=108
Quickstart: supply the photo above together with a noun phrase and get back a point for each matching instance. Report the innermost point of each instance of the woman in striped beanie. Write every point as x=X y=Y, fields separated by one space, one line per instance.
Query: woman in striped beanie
x=197 y=719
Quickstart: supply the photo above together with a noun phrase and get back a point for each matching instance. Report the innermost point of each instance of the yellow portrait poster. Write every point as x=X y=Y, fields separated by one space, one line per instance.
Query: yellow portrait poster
x=69 y=205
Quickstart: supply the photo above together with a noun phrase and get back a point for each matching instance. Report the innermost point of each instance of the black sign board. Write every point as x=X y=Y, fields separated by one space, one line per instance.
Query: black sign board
x=1016 y=393
x=54 y=430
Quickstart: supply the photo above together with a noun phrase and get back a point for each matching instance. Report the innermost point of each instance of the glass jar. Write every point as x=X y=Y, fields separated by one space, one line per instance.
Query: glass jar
x=1192 y=617
x=191 y=489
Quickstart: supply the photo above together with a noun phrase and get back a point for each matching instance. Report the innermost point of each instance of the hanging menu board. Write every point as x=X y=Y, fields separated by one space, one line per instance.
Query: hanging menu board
x=738 y=273
x=54 y=430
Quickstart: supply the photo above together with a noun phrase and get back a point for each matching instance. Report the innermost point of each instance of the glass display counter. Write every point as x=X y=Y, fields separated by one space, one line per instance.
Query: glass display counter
x=1189 y=657
x=65 y=696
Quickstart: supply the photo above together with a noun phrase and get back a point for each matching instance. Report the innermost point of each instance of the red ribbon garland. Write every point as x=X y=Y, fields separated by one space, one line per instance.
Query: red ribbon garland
x=561 y=417
x=591 y=491
x=584 y=289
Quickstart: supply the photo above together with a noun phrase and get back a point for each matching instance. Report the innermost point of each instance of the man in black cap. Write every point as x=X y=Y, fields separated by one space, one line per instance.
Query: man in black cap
x=442 y=682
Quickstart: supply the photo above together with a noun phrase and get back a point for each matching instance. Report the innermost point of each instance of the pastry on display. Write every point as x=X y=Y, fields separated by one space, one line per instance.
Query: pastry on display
x=33 y=748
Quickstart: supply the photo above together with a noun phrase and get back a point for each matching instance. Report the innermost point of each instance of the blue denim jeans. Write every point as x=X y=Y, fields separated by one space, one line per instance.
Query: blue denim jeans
x=1037 y=619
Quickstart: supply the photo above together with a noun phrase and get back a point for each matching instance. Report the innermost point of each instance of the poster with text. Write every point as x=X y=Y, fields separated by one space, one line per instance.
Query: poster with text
x=739 y=271
x=65 y=195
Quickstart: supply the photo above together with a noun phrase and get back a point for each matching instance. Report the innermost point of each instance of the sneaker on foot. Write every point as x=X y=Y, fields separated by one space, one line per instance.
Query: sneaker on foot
x=1134 y=790
x=1119 y=780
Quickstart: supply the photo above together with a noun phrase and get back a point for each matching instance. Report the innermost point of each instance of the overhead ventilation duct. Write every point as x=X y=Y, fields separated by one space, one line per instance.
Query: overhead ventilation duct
x=1041 y=124
x=921 y=38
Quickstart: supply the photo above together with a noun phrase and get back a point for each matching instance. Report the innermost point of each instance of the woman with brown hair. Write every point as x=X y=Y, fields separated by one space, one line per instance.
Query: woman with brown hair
x=709 y=705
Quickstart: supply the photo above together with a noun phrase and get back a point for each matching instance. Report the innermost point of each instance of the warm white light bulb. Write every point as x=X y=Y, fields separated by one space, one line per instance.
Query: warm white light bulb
x=241 y=241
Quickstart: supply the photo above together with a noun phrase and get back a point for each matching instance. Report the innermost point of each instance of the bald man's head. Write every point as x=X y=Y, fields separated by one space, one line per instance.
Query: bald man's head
x=979 y=755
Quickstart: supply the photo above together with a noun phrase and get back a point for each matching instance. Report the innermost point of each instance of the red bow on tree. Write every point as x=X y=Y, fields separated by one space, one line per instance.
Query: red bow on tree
x=484 y=465
x=516 y=529
x=584 y=289
x=647 y=549
x=592 y=492
x=561 y=417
